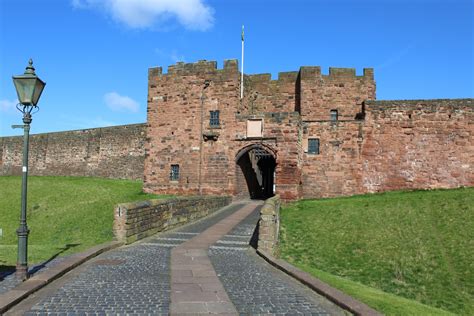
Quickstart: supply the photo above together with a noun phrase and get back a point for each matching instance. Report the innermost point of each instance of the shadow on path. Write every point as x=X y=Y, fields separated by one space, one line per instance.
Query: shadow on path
x=254 y=240
x=6 y=270
x=38 y=267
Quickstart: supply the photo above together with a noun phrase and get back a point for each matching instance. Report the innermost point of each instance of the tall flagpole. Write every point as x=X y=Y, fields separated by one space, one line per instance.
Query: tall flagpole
x=242 y=70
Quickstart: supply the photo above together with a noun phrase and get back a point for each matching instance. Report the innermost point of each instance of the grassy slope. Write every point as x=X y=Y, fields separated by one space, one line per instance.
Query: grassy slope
x=417 y=245
x=62 y=211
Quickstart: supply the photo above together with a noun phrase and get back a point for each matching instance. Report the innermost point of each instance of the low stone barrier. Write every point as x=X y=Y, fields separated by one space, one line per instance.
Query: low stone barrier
x=137 y=220
x=269 y=225
x=268 y=233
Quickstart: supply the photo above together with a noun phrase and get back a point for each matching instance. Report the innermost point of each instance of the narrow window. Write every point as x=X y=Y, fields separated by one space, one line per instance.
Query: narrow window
x=214 y=121
x=333 y=115
x=313 y=146
x=174 y=173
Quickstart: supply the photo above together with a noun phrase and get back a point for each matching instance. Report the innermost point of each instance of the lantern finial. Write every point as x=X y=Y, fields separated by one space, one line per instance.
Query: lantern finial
x=30 y=69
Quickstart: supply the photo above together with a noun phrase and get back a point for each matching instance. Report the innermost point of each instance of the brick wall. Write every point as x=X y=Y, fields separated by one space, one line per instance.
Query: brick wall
x=109 y=152
x=137 y=220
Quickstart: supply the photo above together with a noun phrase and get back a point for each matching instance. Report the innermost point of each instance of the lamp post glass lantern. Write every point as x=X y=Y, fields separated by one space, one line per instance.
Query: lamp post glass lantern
x=28 y=88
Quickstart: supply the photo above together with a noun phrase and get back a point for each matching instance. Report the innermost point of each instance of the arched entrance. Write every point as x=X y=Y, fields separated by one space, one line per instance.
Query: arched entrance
x=257 y=165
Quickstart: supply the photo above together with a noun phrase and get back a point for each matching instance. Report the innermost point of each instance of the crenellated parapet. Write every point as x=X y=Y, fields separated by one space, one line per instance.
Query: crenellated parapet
x=307 y=91
x=335 y=73
x=198 y=68
x=262 y=94
x=340 y=91
x=283 y=77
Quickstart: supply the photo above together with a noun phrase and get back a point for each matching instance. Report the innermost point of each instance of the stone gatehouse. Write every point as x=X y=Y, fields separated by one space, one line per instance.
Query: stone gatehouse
x=303 y=135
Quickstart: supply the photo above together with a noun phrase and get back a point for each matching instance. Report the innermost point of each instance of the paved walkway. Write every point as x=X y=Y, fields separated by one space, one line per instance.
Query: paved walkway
x=203 y=268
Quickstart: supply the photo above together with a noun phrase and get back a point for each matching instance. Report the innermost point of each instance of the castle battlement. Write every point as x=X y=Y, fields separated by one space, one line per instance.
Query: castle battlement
x=308 y=91
x=284 y=76
x=198 y=68
x=210 y=66
x=231 y=66
x=335 y=73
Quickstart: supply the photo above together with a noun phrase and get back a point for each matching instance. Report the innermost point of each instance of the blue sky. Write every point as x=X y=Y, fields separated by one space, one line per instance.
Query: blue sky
x=95 y=54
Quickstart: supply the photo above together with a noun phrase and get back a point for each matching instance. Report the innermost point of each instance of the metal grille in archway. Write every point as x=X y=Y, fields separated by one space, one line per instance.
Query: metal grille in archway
x=261 y=153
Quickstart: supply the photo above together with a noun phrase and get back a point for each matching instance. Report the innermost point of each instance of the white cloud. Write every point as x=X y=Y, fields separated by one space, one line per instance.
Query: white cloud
x=192 y=14
x=117 y=102
x=7 y=105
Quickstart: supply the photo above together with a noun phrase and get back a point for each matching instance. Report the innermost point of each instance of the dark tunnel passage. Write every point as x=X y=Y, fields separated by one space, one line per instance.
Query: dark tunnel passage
x=258 y=167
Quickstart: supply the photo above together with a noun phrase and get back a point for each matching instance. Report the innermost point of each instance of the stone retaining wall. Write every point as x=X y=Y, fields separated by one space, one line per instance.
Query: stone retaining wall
x=137 y=220
x=269 y=225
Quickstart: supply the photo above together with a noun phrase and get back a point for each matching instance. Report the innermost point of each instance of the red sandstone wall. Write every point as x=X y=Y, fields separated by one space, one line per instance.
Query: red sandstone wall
x=174 y=127
x=418 y=144
x=110 y=152
x=336 y=170
x=341 y=90
x=399 y=144
x=174 y=132
x=265 y=95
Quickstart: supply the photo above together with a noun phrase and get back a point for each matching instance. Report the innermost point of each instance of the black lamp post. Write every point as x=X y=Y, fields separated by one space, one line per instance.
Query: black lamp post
x=29 y=88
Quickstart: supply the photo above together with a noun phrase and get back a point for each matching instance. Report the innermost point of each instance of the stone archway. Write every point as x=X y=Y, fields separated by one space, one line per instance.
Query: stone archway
x=256 y=164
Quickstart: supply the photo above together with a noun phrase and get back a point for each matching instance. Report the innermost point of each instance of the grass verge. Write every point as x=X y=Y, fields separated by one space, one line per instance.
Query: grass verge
x=65 y=214
x=389 y=249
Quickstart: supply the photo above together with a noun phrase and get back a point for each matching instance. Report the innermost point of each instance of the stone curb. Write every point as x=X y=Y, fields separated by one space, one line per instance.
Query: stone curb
x=339 y=298
x=38 y=281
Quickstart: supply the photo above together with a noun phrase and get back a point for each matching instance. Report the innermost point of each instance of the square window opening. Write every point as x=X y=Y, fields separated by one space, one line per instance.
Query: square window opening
x=313 y=146
x=174 y=173
x=214 y=119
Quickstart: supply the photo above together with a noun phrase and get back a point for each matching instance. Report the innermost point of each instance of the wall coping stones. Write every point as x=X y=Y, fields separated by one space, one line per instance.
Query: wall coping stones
x=81 y=130
x=137 y=220
x=467 y=102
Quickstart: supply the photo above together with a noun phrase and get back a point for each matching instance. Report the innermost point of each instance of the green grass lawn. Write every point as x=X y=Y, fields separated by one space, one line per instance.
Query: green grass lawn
x=393 y=250
x=65 y=214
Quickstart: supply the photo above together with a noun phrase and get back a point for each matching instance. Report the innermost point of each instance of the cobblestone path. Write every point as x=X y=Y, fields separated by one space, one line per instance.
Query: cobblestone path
x=255 y=287
x=139 y=280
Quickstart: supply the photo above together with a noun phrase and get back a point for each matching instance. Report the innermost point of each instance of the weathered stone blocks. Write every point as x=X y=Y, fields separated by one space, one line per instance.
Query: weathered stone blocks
x=137 y=220
x=109 y=152
x=269 y=226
